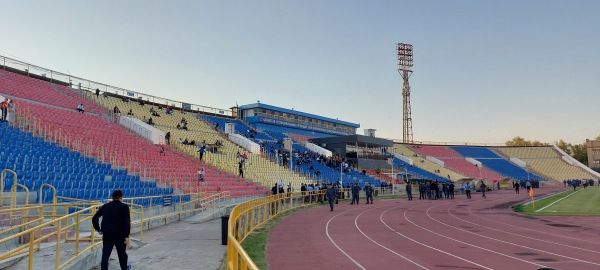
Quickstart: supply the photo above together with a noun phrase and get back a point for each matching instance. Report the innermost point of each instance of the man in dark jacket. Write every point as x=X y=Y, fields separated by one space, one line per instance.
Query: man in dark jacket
x=331 y=194
x=115 y=229
x=355 y=190
x=369 y=192
x=409 y=191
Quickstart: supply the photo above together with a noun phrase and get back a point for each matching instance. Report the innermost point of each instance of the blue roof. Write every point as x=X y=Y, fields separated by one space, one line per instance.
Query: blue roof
x=288 y=111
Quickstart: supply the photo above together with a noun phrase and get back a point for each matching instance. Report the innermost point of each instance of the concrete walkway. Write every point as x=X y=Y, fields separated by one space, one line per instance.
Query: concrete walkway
x=188 y=244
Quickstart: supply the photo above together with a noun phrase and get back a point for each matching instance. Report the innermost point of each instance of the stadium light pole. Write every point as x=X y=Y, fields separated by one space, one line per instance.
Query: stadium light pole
x=291 y=158
x=341 y=167
x=392 y=162
x=404 y=53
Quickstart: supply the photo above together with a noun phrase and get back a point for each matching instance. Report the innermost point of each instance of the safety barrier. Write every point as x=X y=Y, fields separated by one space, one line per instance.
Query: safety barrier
x=34 y=224
x=33 y=231
x=250 y=215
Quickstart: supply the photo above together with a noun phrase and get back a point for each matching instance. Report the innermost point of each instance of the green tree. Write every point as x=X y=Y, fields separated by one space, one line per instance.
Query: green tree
x=564 y=146
x=520 y=141
x=580 y=153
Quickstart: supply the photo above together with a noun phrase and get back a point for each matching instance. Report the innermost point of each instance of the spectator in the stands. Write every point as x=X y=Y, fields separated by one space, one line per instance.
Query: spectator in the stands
x=162 y=151
x=168 y=137
x=201 y=152
x=141 y=101
x=4 y=106
x=80 y=108
x=97 y=92
x=124 y=99
x=130 y=112
x=116 y=110
x=201 y=175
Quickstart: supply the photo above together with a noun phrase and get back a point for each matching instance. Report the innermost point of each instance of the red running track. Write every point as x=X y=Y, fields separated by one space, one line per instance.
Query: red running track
x=481 y=233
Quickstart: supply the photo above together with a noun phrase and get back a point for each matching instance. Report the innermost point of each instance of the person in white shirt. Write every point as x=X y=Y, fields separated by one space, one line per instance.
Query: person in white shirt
x=80 y=108
x=201 y=175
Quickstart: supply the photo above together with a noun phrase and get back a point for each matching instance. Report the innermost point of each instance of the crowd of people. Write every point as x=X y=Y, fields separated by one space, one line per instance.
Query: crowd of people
x=579 y=183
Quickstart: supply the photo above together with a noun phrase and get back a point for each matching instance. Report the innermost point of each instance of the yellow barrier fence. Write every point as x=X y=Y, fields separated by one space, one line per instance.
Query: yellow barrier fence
x=33 y=224
x=250 y=215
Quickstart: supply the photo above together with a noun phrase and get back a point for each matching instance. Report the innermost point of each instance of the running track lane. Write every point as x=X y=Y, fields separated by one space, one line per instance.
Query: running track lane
x=445 y=234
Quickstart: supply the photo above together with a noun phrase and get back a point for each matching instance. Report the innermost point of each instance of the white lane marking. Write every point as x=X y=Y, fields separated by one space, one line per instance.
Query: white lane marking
x=403 y=257
x=475 y=246
x=557 y=201
x=529 y=222
x=509 y=243
x=338 y=247
x=519 y=235
x=425 y=245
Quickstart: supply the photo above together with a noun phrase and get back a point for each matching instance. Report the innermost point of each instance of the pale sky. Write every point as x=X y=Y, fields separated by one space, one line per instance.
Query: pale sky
x=484 y=71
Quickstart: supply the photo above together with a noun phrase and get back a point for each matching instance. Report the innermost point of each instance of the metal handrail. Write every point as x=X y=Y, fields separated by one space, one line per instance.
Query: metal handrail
x=250 y=215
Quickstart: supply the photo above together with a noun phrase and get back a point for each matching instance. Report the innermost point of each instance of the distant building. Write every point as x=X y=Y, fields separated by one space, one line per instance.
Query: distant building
x=593 y=151
x=271 y=118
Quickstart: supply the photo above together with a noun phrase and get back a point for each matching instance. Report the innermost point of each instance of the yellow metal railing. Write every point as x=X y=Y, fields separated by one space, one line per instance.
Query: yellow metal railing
x=32 y=230
x=34 y=224
x=2 y=178
x=250 y=215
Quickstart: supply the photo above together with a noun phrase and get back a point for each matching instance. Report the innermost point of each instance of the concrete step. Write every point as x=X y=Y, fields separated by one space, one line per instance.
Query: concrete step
x=7 y=221
x=48 y=230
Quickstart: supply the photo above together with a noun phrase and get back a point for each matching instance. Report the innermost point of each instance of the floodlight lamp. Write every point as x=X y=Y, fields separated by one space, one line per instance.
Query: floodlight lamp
x=405 y=56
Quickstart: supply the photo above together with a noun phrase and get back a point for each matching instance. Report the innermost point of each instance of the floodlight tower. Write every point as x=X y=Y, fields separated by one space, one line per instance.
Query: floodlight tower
x=405 y=65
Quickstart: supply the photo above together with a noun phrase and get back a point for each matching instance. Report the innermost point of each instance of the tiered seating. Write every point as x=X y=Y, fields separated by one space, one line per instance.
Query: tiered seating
x=417 y=173
x=547 y=162
x=278 y=136
x=427 y=165
x=327 y=174
x=493 y=161
x=300 y=138
x=37 y=162
x=125 y=149
x=240 y=127
x=382 y=177
x=41 y=91
x=456 y=162
x=257 y=168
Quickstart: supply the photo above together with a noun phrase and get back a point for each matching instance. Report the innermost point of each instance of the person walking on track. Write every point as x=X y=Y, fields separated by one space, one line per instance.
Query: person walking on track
x=331 y=194
x=115 y=229
x=468 y=190
x=369 y=192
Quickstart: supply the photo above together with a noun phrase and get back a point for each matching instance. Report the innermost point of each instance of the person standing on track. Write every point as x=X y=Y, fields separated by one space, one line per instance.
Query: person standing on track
x=451 y=190
x=409 y=191
x=517 y=186
x=331 y=194
x=355 y=190
x=369 y=192
x=468 y=190
x=482 y=187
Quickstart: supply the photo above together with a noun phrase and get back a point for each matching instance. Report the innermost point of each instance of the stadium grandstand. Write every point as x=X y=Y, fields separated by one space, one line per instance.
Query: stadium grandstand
x=83 y=139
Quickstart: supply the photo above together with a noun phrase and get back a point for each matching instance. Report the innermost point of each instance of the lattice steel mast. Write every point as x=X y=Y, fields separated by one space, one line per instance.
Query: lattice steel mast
x=405 y=64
